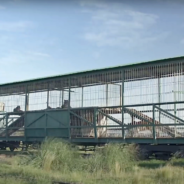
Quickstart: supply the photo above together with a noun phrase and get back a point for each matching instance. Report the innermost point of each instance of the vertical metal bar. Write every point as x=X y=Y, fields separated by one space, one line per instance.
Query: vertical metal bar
x=94 y=123
x=69 y=126
x=159 y=93
x=82 y=96
x=174 y=112
x=26 y=99
x=7 y=126
x=107 y=94
x=25 y=113
x=120 y=95
x=48 y=95
x=69 y=93
x=27 y=107
x=62 y=97
x=122 y=98
x=154 y=133
x=46 y=124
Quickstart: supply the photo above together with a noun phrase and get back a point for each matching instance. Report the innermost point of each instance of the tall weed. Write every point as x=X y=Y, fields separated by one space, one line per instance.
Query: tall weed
x=56 y=155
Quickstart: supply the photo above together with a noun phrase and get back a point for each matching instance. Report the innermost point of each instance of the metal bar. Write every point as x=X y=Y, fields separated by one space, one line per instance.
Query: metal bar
x=134 y=114
x=62 y=97
x=25 y=113
x=120 y=92
x=94 y=122
x=111 y=118
x=82 y=96
x=48 y=96
x=136 y=105
x=175 y=110
x=170 y=114
x=83 y=119
x=36 y=120
x=30 y=128
x=154 y=133
x=26 y=101
x=46 y=124
x=96 y=126
x=122 y=103
x=55 y=119
x=69 y=123
x=106 y=94
x=159 y=94
x=6 y=126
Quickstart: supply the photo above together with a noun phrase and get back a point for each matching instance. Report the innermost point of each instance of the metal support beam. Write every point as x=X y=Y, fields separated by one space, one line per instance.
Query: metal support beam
x=154 y=133
x=122 y=103
x=62 y=97
x=48 y=96
x=94 y=122
x=69 y=121
x=26 y=109
x=120 y=92
x=174 y=113
x=7 y=116
x=111 y=118
x=159 y=95
x=26 y=99
x=107 y=94
x=174 y=117
x=82 y=97
x=83 y=119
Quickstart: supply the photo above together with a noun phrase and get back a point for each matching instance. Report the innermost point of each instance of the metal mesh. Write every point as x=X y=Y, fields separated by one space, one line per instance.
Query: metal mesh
x=146 y=84
x=12 y=101
x=111 y=89
x=82 y=123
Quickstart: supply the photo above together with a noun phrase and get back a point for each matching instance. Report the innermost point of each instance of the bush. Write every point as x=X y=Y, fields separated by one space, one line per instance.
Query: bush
x=57 y=155
x=114 y=158
x=54 y=154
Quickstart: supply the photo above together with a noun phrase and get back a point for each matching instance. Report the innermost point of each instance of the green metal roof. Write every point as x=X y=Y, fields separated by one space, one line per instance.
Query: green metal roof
x=97 y=70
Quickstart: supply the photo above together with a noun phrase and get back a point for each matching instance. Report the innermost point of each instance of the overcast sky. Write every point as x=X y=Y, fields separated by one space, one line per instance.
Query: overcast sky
x=41 y=38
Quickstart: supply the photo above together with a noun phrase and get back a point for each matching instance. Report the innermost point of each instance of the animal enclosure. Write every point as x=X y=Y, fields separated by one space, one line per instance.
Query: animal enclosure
x=143 y=100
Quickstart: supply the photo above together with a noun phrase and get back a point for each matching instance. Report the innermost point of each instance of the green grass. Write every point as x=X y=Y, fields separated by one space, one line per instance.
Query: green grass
x=59 y=161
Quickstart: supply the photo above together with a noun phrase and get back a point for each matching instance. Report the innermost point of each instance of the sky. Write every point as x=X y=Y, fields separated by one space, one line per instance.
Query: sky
x=40 y=38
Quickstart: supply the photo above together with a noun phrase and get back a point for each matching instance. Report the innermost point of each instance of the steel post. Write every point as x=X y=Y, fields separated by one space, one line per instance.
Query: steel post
x=122 y=103
x=154 y=133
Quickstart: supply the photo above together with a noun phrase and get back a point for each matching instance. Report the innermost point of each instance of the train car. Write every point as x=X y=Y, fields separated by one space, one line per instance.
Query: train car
x=139 y=103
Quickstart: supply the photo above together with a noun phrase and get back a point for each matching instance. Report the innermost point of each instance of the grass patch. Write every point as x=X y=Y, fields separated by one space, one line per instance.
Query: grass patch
x=60 y=161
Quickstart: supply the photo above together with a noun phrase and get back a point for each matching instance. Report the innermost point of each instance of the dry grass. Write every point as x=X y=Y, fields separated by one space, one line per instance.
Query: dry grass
x=58 y=161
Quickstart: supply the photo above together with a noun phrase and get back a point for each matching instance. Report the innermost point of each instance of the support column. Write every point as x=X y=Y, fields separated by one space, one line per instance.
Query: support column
x=26 y=108
x=159 y=95
x=47 y=95
x=94 y=123
x=69 y=95
x=120 y=95
x=174 y=112
x=122 y=103
x=62 y=97
x=154 y=132
x=82 y=97
x=69 y=98
x=107 y=94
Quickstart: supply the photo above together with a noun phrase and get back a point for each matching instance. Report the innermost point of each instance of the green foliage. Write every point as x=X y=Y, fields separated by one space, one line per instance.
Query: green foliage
x=57 y=155
x=54 y=154
x=113 y=158
x=59 y=161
